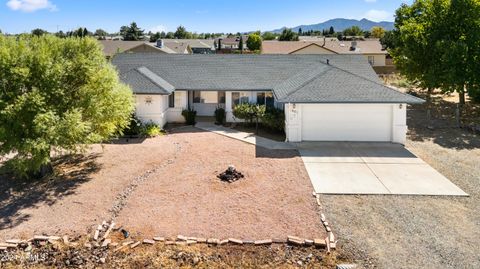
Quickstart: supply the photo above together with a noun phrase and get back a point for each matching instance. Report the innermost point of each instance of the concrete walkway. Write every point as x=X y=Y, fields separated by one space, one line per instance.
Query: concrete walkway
x=371 y=168
x=243 y=136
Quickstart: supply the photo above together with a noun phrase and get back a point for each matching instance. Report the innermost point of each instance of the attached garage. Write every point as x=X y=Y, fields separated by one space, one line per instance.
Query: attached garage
x=346 y=122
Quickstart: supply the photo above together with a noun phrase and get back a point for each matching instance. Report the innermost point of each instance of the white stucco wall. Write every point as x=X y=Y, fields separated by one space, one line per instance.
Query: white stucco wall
x=174 y=114
x=152 y=108
x=346 y=122
x=379 y=59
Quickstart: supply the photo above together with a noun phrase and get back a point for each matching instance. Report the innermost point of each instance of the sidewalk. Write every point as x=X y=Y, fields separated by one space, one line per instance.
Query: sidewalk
x=243 y=136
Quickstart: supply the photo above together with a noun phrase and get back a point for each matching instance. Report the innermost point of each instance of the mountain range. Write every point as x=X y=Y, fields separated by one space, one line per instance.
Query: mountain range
x=340 y=24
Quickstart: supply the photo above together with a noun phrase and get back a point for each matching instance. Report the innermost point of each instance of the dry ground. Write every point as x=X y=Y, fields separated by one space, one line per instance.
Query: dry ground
x=182 y=196
x=418 y=231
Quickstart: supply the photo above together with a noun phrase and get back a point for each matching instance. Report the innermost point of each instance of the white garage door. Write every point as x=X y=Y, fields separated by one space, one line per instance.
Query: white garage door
x=346 y=122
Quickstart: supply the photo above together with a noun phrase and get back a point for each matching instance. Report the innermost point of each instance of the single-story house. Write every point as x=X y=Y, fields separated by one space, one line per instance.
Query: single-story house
x=324 y=97
x=112 y=47
x=371 y=49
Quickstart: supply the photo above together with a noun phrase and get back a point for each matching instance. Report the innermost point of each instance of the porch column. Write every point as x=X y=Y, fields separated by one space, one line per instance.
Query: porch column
x=228 y=107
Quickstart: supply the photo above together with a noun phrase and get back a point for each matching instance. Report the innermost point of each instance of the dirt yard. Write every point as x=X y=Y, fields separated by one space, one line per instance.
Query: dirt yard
x=418 y=231
x=177 y=191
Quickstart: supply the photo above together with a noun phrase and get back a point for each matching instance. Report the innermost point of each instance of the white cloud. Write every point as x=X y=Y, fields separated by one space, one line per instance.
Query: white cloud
x=378 y=15
x=158 y=28
x=370 y=1
x=31 y=5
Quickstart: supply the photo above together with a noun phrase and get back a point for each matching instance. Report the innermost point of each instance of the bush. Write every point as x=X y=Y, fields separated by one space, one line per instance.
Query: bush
x=189 y=115
x=151 y=130
x=248 y=112
x=274 y=119
x=135 y=126
x=220 y=115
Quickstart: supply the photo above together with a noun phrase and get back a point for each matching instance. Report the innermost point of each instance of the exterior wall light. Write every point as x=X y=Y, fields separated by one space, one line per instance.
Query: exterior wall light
x=400 y=106
x=148 y=100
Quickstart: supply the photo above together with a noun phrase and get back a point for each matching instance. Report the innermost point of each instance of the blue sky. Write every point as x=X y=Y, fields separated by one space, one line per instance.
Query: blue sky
x=196 y=15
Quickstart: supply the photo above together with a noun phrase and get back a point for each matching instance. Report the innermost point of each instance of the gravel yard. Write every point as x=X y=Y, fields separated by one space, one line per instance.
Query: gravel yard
x=417 y=231
x=167 y=186
x=272 y=201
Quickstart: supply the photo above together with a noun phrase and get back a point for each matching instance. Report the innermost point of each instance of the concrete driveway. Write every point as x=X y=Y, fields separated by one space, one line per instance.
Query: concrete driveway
x=371 y=168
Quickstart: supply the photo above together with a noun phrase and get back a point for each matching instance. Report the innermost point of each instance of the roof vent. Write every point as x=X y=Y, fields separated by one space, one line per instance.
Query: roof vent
x=160 y=43
x=353 y=47
x=328 y=61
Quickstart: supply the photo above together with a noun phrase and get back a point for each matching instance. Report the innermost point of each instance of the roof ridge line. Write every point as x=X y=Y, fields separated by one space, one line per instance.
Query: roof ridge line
x=305 y=82
x=152 y=80
x=375 y=82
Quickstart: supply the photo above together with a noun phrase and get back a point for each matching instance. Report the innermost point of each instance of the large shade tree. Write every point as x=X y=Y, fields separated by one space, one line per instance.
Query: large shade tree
x=254 y=42
x=437 y=44
x=56 y=94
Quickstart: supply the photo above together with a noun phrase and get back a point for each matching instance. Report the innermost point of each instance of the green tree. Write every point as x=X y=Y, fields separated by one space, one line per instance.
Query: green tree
x=269 y=36
x=56 y=94
x=300 y=32
x=254 y=42
x=101 y=34
x=353 y=31
x=459 y=46
x=331 y=32
x=377 y=32
x=155 y=37
x=39 y=32
x=180 y=33
x=388 y=40
x=169 y=35
x=240 y=43
x=132 y=32
x=288 y=35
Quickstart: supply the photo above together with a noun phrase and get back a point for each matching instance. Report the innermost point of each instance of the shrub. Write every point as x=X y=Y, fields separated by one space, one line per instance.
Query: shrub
x=151 y=130
x=135 y=126
x=274 y=119
x=249 y=112
x=189 y=115
x=219 y=115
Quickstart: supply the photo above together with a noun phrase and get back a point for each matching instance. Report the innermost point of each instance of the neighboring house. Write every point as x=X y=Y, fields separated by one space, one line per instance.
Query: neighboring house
x=231 y=43
x=112 y=47
x=196 y=46
x=325 y=97
x=371 y=49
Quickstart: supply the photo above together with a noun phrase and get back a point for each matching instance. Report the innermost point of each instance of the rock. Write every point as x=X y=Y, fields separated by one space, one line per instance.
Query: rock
x=300 y=263
x=8 y=245
x=294 y=240
x=181 y=243
x=106 y=242
x=160 y=239
x=213 y=241
x=126 y=243
x=201 y=240
x=263 y=242
x=65 y=240
x=319 y=242
x=182 y=238
x=102 y=260
x=248 y=242
x=223 y=242
x=96 y=234
x=148 y=241
x=325 y=223
x=235 y=241
x=331 y=237
x=308 y=242
x=169 y=242
x=333 y=245
x=279 y=241
x=87 y=245
x=13 y=241
x=191 y=242
x=109 y=230
x=28 y=248
x=114 y=244
x=192 y=238
x=322 y=217
x=134 y=245
x=40 y=238
x=328 y=229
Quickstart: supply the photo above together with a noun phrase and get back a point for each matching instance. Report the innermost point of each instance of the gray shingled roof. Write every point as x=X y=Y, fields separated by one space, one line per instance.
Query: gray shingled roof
x=292 y=78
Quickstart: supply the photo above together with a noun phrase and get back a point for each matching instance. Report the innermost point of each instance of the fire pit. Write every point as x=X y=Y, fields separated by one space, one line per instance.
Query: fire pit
x=230 y=175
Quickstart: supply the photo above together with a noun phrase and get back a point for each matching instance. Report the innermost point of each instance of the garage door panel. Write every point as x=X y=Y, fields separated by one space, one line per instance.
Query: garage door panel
x=333 y=122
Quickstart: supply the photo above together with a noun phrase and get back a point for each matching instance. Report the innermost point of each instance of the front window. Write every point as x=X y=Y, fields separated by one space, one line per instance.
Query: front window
x=371 y=60
x=205 y=97
x=239 y=98
x=171 y=100
x=265 y=98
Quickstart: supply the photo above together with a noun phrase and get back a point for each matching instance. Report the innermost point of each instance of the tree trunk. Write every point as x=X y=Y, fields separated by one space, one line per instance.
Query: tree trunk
x=45 y=170
x=461 y=97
